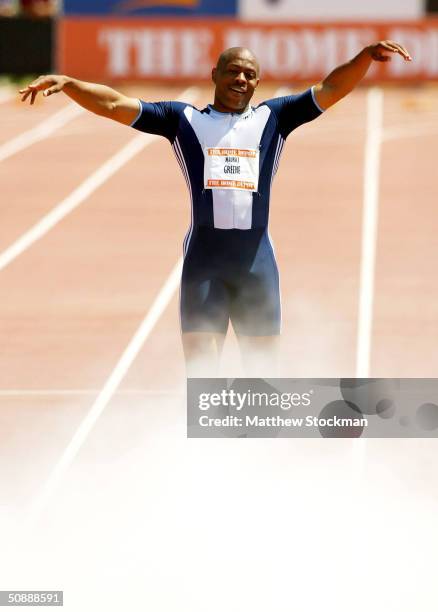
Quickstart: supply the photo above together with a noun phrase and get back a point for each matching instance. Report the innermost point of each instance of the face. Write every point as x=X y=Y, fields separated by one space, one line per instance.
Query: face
x=236 y=81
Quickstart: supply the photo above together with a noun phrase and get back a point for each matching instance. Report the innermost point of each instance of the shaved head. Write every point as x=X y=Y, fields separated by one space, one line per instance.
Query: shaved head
x=236 y=53
x=236 y=76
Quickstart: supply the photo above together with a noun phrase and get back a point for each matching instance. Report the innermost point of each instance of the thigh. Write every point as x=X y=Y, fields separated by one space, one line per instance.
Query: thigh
x=256 y=308
x=204 y=300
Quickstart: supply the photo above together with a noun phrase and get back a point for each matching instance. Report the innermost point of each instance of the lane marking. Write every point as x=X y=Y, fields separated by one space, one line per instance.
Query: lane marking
x=135 y=345
x=371 y=180
x=82 y=192
x=40 y=132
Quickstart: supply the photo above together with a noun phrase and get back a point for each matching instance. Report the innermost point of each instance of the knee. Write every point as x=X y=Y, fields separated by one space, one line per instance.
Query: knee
x=202 y=354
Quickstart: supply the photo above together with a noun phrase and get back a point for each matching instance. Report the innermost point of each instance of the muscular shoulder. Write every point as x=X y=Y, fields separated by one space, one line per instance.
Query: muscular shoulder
x=294 y=110
x=160 y=118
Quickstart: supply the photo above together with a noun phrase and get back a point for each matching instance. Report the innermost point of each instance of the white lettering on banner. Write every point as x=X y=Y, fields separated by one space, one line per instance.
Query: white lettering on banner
x=412 y=40
x=422 y=45
x=195 y=49
x=299 y=53
x=282 y=53
x=144 y=44
x=357 y=39
x=314 y=55
x=167 y=52
x=118 y=42
x=296 y=53
x=251 y=38
x=157 y=52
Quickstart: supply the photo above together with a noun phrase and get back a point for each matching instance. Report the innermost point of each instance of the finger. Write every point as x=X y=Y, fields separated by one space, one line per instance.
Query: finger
x=389 y=45
x=41 y=83
x=405 y=53
x=396 y=48
x=386 y=44
x=26 y=95
x=33 y=96
x=401 y=50
x=27 y=88
x=51 y=90
x=34 y=84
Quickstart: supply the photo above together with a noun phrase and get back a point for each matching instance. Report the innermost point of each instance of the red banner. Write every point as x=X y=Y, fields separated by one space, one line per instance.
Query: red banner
x=138 y=49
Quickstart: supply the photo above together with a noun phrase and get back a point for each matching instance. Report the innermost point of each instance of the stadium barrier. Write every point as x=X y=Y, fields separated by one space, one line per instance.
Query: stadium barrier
x=114 y=49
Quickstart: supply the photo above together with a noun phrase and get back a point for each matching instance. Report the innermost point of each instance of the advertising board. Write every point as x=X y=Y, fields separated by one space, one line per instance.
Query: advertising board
x=136 y=49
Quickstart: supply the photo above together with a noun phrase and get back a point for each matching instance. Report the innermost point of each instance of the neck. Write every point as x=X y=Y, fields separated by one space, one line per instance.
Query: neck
x=221 y=108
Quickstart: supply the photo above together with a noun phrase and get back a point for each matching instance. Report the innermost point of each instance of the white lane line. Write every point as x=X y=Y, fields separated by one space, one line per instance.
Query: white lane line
x=75 y=392
x=371 y=181
x=369 y=229
x=40 y=131
x=82 y=192
x=161 y=302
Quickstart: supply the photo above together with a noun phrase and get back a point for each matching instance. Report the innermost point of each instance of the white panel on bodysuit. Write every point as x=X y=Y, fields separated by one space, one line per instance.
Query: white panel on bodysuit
x=232 y=208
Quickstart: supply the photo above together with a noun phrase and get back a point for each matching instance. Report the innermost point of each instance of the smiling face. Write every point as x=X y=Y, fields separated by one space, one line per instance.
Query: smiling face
x=236 y=77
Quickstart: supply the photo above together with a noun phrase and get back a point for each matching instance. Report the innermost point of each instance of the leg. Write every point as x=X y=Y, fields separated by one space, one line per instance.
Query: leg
x=204 y=309
x=256 y=313
x=202 y=351
x=260 y=355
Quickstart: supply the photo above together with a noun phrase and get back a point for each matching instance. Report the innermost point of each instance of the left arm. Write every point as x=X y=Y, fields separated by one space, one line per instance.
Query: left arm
x=344 y=79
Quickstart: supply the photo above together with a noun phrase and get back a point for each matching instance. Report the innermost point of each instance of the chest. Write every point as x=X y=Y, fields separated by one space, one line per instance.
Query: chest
x=229 y=130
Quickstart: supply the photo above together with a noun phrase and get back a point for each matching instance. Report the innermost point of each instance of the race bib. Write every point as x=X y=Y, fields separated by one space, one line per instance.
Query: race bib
x=231 y=169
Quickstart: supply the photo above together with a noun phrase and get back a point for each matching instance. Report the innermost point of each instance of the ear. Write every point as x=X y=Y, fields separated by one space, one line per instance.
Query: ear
x=257 y=83
x=213 y=75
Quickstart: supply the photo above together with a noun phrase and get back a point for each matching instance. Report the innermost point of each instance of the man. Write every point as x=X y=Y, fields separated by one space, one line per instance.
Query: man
x=229 y=153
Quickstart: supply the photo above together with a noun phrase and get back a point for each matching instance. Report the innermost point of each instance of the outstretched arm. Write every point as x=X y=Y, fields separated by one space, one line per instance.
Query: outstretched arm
x=344 y=79
x=98 y=99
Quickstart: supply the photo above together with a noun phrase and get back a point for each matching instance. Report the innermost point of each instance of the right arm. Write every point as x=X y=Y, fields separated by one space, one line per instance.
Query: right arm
x=98 y=99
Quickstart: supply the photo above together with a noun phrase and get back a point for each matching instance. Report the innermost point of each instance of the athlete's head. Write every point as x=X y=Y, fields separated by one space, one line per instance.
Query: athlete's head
x=236 y=76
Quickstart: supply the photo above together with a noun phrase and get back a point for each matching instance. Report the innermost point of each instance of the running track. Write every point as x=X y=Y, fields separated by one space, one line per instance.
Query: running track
x=168 y=519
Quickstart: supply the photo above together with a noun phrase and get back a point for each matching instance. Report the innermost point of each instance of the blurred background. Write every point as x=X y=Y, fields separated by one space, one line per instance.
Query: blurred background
x=177 y=40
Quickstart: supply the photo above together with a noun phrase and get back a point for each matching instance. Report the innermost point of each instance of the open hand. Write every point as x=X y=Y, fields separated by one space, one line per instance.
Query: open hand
x=49 y=84
x=381 y=51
